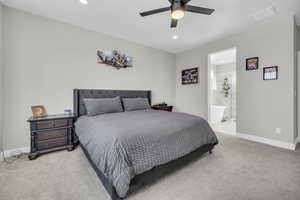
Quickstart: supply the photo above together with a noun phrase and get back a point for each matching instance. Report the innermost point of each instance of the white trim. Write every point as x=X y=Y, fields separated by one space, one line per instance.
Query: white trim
x=209 y=68
x=227 y=133
x=267 y=141
x=14 y=152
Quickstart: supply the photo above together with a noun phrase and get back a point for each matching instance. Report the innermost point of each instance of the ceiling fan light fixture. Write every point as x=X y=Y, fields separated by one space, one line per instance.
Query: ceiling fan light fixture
x=178 y=9
x=178 y=14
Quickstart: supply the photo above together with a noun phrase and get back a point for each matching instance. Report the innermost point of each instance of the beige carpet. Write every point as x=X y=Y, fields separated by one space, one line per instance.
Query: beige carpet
x=237 y=170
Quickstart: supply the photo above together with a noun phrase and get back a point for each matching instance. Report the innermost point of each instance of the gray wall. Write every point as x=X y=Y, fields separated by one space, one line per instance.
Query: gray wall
x=297 y=82
x=298 y=66
x=262 y=106
x=46 y=59
x=298 y=39
x=1 y=73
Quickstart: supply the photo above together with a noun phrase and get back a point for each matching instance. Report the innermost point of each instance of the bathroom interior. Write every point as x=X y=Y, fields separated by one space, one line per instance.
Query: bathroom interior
x=222 y=87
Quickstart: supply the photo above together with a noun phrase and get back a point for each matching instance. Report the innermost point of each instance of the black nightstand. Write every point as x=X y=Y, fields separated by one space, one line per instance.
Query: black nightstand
x=165 y=108
x=51 y=133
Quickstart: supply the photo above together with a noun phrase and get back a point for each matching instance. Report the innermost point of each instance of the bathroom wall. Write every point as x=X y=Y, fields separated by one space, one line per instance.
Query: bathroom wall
x=221 y=72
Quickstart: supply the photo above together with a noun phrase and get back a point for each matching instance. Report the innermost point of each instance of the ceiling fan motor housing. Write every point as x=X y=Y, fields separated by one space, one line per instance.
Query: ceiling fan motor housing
x=177 y=5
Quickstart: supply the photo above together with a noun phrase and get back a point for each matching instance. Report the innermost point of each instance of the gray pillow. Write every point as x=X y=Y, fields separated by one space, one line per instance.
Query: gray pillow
x=102 y=106
x=131 y=104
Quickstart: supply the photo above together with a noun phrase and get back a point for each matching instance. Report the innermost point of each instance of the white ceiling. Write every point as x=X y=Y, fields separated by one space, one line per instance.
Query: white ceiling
x=120 y=18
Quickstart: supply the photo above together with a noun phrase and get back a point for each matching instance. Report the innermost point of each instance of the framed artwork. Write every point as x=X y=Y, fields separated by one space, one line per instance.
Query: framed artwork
x=271 y=73
x=189 y=76
x=38 y=111
x=252 y=63
x=114 y=58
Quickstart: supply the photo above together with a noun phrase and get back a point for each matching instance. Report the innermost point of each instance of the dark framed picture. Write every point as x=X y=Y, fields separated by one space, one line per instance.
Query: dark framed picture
x=252 y=63
x=189 y=76
x=271 y=73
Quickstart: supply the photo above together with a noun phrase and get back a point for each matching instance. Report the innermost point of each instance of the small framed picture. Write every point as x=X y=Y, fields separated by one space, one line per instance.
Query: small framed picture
x=38 y=111
x=252 y=63
x=189 y=76
x=271 y=73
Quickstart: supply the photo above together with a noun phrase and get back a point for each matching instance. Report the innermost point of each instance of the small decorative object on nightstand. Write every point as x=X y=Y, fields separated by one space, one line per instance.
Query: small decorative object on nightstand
x=38 y=111
x=51 y=133
x=163 y=106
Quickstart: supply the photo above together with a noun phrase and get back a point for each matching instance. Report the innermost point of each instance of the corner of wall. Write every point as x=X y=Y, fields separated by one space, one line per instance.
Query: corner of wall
x=1 y=76
x=295 y=41
x=298 y=38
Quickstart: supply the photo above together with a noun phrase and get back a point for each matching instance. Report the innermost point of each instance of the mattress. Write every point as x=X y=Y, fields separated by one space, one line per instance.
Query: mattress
x=123 y=145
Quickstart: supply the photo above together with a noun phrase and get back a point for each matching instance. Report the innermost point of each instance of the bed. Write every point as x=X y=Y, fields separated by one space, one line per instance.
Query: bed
x=130 y=149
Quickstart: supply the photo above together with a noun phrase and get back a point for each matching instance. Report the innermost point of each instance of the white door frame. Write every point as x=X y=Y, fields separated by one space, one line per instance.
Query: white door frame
x=209 y=68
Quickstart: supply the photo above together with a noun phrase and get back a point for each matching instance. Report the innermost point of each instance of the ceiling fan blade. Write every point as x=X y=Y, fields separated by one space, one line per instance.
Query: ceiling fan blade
x=195 y=9
x=174 y=23
x=152 y=12
x=185 y=1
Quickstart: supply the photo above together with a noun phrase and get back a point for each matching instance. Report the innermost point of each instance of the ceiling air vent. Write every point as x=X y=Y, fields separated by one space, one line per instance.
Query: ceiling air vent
x=265 y=13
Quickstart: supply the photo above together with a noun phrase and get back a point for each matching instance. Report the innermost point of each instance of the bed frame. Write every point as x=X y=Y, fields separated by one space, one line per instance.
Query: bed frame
x=148 y=177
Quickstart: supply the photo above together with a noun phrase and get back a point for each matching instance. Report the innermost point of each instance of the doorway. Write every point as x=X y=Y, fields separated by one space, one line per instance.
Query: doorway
x=222 y=91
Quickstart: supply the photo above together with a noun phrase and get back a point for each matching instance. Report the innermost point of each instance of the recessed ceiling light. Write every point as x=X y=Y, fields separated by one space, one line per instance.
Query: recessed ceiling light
x=84 y=2
x=175 y=37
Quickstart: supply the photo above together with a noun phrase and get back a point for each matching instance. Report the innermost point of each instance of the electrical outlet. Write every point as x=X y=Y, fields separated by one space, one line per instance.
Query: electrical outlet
x=278 y=130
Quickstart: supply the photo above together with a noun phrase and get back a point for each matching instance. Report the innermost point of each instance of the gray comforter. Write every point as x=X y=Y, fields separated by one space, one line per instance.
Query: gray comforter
x=126 y=144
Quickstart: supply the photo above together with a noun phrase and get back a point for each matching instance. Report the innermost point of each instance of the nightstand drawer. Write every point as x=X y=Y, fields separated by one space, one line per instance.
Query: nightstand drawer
x=47 y=144
x=61 y=123
x=51 y=134
x=51 y=124
x=44 y=124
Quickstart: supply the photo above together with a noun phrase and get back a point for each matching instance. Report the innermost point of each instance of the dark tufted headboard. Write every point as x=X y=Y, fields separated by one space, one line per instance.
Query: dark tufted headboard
x=80 y=94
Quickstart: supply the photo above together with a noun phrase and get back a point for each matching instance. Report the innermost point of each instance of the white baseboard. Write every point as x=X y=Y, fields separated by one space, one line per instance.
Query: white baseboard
x=14 y=152
x=227 y=133
x=276 y=143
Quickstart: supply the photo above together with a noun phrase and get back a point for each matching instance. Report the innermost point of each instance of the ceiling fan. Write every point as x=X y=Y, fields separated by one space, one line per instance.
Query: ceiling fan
x=178 y=9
